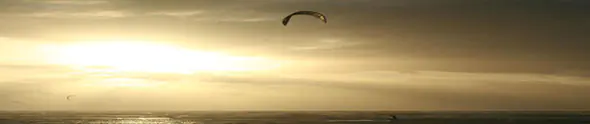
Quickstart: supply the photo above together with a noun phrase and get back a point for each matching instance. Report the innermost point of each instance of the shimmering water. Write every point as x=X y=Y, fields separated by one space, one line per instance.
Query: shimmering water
x=294 y=118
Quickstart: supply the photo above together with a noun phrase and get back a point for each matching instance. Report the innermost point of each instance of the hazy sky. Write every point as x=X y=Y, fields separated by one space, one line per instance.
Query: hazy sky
x=236 y=55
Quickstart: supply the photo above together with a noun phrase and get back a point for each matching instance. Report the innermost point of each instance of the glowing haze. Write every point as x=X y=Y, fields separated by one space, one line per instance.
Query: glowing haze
x=236 y=55
x=149 y=57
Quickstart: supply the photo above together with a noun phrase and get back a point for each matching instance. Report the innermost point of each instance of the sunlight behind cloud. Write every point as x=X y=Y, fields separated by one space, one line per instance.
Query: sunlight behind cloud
x=95 y=14
x=128 y=82
x=134 y=56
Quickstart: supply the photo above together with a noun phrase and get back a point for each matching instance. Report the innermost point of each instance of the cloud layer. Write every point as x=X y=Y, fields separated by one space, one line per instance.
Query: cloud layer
x=419 y=90
x=387 y=54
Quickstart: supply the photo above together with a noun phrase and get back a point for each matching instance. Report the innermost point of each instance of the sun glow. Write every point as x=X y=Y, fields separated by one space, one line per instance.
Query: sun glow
x=134 y=56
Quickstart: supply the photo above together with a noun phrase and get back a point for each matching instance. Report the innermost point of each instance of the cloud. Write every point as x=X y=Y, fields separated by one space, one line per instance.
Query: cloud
x=397 y=89
x=27 y=93
x=459 y=46
x=207 y=18
x=75 y=2
x=91 y=14
x=214 y=16
x=4 y=39
x=442 y=90
x=177 y=13
x=194 y=15
x=325 y=44
x=414 y=78
x=19 y=7
x=256 y=19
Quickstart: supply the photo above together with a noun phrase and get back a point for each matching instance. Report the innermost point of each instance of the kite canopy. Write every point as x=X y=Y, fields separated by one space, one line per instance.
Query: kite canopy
x=70 y=96
x=310 y=13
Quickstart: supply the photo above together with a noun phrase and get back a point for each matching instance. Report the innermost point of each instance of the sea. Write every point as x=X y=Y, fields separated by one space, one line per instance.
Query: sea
x=291 y=117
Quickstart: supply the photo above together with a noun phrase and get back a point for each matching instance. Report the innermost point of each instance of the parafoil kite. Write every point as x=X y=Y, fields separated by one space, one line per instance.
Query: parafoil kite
x=69 y=97
x=311 y=13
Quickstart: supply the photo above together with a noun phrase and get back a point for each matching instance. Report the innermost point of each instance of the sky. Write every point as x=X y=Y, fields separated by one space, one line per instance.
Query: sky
x=236 y=55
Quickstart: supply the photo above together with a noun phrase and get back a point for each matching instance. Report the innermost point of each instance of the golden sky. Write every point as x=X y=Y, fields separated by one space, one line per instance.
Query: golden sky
x=236 y=55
